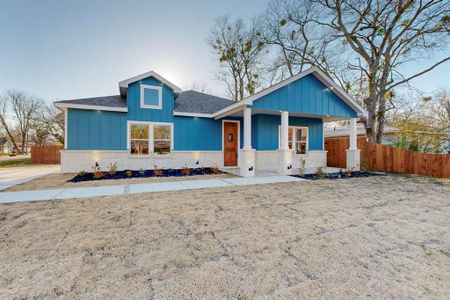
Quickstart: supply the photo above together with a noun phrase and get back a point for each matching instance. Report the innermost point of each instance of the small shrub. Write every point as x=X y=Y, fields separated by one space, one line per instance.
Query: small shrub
x=186 y=171
x=112 y=169
x=129 y=173
x=157 y=171
x=97 y=171
x=215 y=169
x=301 y=169
x=81 y=174
x=320 y=173
x=202 y=169
x=348 y=172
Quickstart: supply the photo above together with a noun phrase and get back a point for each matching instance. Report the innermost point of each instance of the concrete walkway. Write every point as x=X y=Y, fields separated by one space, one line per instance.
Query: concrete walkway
x=85 y=192
x=11 y=176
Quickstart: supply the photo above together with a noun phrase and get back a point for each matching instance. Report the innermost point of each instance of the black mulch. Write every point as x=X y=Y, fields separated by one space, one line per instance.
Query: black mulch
x=337 y=175
x=88 y=176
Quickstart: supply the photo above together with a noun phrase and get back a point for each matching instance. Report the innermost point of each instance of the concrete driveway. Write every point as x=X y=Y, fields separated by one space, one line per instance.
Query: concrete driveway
x=15 y=175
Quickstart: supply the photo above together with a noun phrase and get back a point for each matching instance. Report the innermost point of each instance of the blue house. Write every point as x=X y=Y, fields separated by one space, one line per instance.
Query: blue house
x=153 y=123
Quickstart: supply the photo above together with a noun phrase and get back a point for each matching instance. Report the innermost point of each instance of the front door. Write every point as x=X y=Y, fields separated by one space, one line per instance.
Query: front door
x=230 y=144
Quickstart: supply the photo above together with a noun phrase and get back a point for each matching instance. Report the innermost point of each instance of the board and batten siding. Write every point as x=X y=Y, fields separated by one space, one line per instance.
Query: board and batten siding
x=307 y=95
x=265 y=131
x=96 y=130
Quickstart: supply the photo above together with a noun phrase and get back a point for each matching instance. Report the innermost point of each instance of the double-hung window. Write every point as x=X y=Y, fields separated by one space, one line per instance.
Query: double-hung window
x=297 y=139
x=146 y=138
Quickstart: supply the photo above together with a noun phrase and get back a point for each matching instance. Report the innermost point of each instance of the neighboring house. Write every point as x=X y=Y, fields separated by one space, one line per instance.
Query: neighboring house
x=153 y=123
x=5 y=146
x=344 y=131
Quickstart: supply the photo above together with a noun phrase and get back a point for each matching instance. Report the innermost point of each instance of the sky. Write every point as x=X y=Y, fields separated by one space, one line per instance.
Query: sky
x=58 y=49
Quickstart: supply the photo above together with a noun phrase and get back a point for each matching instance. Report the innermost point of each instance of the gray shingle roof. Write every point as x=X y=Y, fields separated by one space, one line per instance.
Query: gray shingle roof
x=196 y=102
x=113 y=101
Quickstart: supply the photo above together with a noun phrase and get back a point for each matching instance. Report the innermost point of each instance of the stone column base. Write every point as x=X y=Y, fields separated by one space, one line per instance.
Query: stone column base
x=247 y=162
x=353 y=160
x=285 y=162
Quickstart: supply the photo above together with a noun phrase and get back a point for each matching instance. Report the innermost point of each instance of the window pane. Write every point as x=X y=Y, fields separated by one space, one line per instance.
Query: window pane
x=304 y=135
x=302 y=147
x=162 y=147
x=139 y=131
x=161 y=132
x=139 y=147
x=151 y=97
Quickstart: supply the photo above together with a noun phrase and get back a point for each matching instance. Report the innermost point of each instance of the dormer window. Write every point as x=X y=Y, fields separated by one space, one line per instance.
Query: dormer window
x=151 y=96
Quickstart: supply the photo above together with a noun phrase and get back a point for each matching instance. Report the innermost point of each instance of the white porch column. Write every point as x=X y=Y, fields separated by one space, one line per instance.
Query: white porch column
x=285 y=154
x=247 y=128
x=284 y=130
x=353 y=135
x=353 y=154
x=247 y=154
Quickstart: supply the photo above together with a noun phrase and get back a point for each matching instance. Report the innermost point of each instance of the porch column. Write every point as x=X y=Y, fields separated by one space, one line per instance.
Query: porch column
x=284 y=130
x=353 y=154
x=247 y=128
x=247 y=154
x=353 y=135
x=284 y=153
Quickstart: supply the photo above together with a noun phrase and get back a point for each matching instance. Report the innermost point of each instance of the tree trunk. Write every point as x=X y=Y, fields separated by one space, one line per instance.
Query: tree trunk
x=381 y=118
x=371 y=105
x=241 y=88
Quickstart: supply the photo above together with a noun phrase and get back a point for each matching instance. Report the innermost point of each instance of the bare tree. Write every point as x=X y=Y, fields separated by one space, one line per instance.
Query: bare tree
x=387 y=35
x=441 y=107
x=199 y=86
x=290 y=30
x=239 y=51
x=18 y=110
x=48 y=126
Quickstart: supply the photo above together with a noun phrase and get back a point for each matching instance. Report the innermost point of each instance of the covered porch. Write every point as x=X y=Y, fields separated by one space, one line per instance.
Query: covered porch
x=283 y=142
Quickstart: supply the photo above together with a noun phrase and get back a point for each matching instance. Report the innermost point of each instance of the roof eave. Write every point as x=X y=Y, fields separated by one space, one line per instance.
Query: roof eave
x=123 y=85
x=62 y=105
x=325 y=79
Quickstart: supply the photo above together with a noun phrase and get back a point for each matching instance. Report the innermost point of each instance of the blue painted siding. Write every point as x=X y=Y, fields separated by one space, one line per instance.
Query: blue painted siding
x=265 y=131
x=307 y=95
x=136 y=113
x=200 y=134
x=96 y=130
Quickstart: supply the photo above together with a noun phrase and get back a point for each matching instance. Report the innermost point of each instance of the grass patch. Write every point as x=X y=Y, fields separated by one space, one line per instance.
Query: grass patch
x=15 y=162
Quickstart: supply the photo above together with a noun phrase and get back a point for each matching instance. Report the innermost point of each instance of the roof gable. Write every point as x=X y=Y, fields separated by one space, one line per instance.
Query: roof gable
x=306 y=95
x=123 y=85
x=318 y=74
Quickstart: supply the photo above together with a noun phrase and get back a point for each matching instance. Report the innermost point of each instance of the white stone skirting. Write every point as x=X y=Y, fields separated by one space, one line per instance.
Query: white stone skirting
x=84 y=160
x=268 y=160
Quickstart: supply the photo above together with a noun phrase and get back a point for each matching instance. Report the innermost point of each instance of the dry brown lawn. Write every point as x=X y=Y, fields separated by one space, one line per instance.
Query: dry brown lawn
x=61 y=180
x=378 y=237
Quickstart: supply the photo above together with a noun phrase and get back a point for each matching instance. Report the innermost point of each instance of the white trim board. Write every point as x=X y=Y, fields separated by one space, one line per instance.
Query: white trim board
x=123 y=85
x=187 y=114
x=89 y=107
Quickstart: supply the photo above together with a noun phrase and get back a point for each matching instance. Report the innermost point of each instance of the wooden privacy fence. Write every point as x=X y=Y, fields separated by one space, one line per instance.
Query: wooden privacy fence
x=383 y=158
x=46 y=154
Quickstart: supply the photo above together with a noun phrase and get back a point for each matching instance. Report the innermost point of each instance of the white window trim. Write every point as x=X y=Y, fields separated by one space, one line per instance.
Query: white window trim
x=151 y=87
x=294 y=139
x=151 y=145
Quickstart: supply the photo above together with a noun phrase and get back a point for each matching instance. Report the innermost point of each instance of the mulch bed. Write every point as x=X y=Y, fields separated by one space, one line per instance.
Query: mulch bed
x=337 y=175
x=126 y=174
